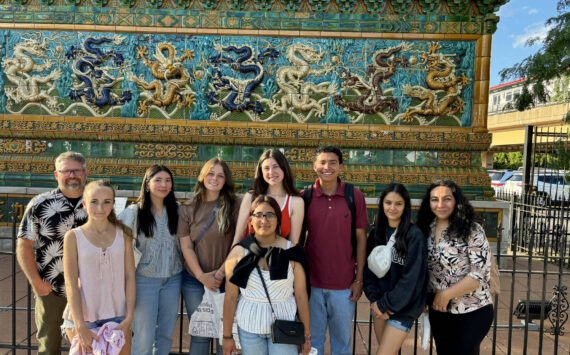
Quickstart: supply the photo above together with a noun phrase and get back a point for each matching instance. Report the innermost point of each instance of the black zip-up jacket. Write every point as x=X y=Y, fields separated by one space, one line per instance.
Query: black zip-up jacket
x=403 y=289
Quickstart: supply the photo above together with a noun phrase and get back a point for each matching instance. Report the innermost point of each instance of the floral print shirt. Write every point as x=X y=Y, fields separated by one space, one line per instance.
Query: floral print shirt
x=46 y=220
x=451 y=259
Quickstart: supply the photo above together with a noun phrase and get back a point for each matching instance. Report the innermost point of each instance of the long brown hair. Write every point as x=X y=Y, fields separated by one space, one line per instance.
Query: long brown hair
x=260 y=186
x=226 y=215
x=112 y=217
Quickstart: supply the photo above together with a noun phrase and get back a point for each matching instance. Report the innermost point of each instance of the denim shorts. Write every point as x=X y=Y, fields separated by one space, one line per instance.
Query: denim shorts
x=68 y=323
x=400 y=325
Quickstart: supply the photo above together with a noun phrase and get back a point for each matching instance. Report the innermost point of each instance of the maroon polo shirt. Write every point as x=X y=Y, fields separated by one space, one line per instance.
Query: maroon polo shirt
x=328 y=242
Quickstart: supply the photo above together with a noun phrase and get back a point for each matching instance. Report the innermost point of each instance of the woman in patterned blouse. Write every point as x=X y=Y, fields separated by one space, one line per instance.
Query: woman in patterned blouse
x=459 y=268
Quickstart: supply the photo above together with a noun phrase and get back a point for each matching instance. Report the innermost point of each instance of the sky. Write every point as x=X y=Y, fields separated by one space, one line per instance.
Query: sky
x=519 y=21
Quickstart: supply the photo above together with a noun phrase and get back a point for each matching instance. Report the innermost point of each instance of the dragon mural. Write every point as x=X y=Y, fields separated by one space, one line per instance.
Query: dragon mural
x=96 y=80
x=370 y=98
x=276 y=79
x=441 y=80
x=20 y=69
x=297 y=93
x=239 y=98
x=169 y=67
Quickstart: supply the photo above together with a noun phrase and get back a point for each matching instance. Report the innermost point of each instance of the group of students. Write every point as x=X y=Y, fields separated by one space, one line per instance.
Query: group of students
x=253 y=249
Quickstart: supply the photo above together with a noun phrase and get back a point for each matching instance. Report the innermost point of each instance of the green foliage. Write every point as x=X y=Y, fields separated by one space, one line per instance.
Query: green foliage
x=552 y=61
x=560 y=90
x=510 y=160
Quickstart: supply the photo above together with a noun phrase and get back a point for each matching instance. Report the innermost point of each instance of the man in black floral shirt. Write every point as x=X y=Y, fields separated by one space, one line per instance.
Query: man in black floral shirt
x=47 y=218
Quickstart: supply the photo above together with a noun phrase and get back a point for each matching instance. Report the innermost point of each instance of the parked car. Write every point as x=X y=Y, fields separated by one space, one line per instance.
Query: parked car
x=552 y=185
x=498 y=179
x=548 y=185
x=514 y=184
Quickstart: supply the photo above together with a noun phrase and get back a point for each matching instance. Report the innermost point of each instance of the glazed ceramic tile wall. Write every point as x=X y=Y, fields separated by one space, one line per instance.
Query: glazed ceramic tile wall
x=237 y=78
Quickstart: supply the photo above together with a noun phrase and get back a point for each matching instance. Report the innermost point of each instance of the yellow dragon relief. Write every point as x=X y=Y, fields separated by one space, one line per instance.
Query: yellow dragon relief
x=30 y=87
x=441 y=78
x=296 y=91
x=170 y=69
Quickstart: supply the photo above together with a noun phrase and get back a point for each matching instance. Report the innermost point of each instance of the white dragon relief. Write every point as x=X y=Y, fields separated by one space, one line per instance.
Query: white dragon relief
x=296 y=92
x=18 y=69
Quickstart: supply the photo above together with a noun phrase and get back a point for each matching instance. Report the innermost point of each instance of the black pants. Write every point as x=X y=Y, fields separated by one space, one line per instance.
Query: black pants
x=460 y=334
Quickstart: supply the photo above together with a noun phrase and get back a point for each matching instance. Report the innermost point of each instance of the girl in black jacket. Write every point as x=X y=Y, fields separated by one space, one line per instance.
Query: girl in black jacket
x=398 y=298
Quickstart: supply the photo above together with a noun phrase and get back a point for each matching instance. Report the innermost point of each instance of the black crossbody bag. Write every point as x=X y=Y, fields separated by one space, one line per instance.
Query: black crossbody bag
x=283 y=331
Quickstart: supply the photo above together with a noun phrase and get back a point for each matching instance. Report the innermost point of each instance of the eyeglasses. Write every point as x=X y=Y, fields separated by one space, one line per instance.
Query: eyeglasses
x=75 y=172
x=270 y=216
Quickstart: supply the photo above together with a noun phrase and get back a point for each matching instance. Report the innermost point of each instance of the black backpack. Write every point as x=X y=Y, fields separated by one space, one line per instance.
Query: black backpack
x=349 y=196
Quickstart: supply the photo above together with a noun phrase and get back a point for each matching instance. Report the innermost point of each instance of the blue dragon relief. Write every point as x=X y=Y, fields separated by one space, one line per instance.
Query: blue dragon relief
x=96 y=80
x=239 y=99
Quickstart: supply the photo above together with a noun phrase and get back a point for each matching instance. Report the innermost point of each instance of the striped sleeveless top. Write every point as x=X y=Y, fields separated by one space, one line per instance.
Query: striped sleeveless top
x=253 y=310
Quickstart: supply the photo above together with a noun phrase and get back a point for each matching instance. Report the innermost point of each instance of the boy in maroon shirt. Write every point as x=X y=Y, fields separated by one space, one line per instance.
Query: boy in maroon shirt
x=336 y=277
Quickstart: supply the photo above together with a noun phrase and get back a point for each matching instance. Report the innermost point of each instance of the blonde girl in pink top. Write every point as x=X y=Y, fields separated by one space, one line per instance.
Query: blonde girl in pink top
x=99 y=270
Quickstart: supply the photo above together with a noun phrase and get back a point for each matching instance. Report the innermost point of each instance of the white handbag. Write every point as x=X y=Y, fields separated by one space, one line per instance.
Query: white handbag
x=380 y=259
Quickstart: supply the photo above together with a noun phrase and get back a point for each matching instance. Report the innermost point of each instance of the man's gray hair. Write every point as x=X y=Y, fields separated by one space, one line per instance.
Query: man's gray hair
x=78 y=157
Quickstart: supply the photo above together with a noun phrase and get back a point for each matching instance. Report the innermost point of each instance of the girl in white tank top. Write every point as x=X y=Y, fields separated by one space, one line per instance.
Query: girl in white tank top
x=99 y=272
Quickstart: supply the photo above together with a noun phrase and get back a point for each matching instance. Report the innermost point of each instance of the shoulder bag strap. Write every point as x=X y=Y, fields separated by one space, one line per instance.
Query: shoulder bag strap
x=266 y=292
x=136 y=223
x=392 y=239
x=208 y=223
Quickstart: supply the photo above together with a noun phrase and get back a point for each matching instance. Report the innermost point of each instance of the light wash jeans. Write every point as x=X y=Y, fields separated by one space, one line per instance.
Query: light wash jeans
x=332 y=308
x=193 y=291
x=156 y=311
x=261 y=344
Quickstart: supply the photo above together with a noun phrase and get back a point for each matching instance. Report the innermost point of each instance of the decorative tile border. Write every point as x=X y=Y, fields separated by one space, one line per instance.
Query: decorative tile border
x=242 y=133
x=392 y=16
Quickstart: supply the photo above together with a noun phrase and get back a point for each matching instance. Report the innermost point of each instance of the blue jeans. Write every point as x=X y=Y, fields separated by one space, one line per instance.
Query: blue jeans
x=332 y=308
x=156 y=311
x=193 y=291
x=261 y=344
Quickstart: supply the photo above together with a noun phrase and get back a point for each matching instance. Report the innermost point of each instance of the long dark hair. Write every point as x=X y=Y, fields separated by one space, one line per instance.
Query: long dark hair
x=271 y=202
x=112 y=217
x=461 y=219
x=401 y=244
x=146 y=222
x=260 y=186
x=226 y=215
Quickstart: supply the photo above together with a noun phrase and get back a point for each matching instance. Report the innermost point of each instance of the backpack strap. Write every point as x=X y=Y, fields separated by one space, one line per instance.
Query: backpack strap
x=307 y=195
x=349 y=196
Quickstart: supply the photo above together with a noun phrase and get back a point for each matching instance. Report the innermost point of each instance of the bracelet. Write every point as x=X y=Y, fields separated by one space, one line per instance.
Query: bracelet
x=308 y=337
x=228 y=337
x=357 y=281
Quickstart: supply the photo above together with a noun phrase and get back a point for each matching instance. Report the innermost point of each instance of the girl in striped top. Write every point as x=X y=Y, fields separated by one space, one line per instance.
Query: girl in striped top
x=284 y=276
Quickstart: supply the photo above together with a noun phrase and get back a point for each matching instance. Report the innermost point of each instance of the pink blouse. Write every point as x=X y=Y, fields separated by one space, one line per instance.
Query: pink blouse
x=101 y=278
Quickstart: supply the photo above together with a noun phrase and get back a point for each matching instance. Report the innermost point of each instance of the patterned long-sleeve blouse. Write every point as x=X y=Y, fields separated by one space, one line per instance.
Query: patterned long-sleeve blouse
x=452 y=259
